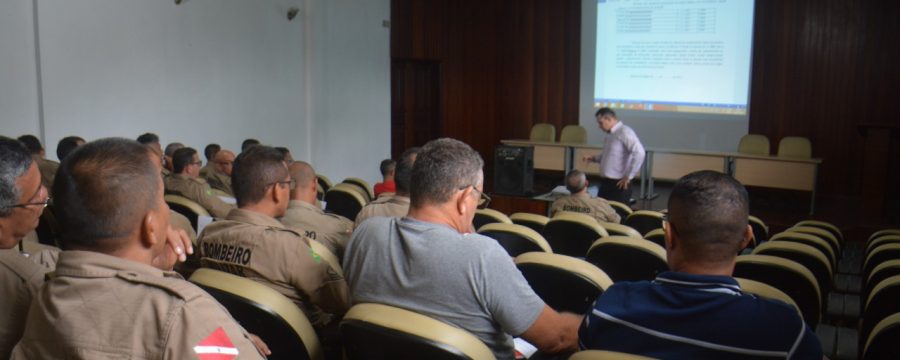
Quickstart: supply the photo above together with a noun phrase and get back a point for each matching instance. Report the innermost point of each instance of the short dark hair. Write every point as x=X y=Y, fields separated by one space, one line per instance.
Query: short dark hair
x=709 y=211
x=102 y=191
x=443 y=167
x=254 y=169
x=604 y=111
x=575 y=181
x=387 y=165
x=32 y=143
x=172 y=147
x=284 y=150
x=403 y=170
x=248 y=143
x=147 y=138
x=14 y=163
x=210 y=151
x=66 y=145
x=181 y=158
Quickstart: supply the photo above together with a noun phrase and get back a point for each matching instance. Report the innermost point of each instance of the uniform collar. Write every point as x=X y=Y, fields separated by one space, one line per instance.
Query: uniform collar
x=298 y=204
x=393 y=199
x=90 y=264
x=253 y=217
x=711 y=283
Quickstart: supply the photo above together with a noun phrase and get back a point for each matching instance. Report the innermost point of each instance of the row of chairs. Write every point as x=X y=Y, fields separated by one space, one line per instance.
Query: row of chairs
x=572 y=134
x=788 y=146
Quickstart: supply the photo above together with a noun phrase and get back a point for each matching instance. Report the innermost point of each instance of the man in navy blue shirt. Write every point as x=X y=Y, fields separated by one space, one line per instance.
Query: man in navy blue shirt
x=697 y=310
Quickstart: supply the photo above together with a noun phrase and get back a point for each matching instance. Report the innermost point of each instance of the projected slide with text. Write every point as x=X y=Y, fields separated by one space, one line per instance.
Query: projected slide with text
x=674 y=55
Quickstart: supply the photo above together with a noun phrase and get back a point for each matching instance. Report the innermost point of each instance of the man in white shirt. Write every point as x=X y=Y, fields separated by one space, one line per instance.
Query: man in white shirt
x=623 y=155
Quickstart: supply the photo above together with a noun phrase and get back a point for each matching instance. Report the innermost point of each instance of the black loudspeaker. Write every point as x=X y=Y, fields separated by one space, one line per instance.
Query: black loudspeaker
x=513 y=170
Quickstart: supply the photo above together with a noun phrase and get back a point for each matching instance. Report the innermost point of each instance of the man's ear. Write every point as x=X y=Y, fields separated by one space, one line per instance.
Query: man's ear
x=748 y=237
x=149 y=232
x=671 y=241
x=461 y=201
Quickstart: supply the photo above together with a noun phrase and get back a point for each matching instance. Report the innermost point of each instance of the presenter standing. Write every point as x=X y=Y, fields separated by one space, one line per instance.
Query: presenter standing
x=621 y=159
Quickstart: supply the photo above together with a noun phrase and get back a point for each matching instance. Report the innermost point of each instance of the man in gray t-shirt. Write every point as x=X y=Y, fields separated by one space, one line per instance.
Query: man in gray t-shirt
x=428 y=263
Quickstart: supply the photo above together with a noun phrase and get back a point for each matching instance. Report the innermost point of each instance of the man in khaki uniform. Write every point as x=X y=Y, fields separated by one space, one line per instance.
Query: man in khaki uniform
x=108 y=297
x=398 y=204
x=581 y=202
x=210 y=152
x=331 y=230
x=151 y=141
x=22 y=199
x=185 y=181
x=250 y=242
x=220 y=175
x=46 y=167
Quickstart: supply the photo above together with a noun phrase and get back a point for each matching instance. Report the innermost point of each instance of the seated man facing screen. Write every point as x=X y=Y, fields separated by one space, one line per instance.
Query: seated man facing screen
x=386 y=185
x=427 y=262
x=396 y=205
x=697 y=310
x=185 y=181
x=112 y=294
x=304 y=213
x=581 y=202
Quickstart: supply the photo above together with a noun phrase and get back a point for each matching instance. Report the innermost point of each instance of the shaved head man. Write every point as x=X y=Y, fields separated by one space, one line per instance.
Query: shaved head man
x=220 y=177
x=304 y=212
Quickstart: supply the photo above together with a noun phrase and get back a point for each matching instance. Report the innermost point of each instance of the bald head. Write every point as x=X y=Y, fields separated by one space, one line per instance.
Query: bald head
x=305 y=176
x=576 y=181
x=224 y=160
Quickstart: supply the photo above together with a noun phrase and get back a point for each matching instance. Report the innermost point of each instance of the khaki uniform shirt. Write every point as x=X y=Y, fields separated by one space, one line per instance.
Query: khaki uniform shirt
x=198 y=191
x=97 y=306
x=20 y=279
x=259 y=247
x=387 y=206
x=43 y=255
x=331 y=230
x=598 y=208
x=48 y=170
x=218 y=180
x=207 y=169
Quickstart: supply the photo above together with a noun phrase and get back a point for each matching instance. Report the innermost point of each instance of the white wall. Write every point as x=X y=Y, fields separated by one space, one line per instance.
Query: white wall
x=203 y=71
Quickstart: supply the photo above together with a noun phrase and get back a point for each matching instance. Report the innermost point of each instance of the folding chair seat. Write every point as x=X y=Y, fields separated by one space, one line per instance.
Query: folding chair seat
x=487 y=216
x=614 y=229
x=381 y=332
x=186 y=207
x=516 y=239
x=572 y=234
x=754 y=144
x=344 y=200
x=622 y=209
x=628 y=259
x=793 y=279
x=263 y=312
x=573 y=134
x=657 y=236
x=563 y=282
x=823 y=245
x=644 y=221
x=362 y=184
x=760 y=230
x=533 y=221
x=543 y=132
x=882 y=343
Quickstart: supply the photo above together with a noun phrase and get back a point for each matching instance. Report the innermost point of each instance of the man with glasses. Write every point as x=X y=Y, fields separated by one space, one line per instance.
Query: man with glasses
x=22 y=199
x=219 y=177
x=250 y=241
x=396 y=205
x=431 y=263
x=580 y=200
x=303 y=212
x=697 y=310
x=186 y=181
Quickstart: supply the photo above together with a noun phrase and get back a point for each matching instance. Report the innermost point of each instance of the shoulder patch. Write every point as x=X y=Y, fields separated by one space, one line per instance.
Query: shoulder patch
x=316 y=257
x=178 y=287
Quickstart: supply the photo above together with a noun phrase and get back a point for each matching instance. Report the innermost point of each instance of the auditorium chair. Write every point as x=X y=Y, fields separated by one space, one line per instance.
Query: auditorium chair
x=327 y=256
x=543 y=132
x=766 y=291
x=573 y=134
x=808 y=256
x=882 y=343
x=605 y=355
x=563 y=282
x=754 y=144
x=657 y=236
x=823 y=245
x=625 y=258
x=487 y=216
x=533 y=221
x=344 y=200
x=883 y=301
x=186 y=207
x=795 y=147
x=793 y=279
x=760 y=231
x=515 y=239
x=880 y=272
x=362 y=184
x=381 y=332
x=621 y=209
x=324 y=182
x=572 y=234
x=879 y=255
x=615 y=229
x=644 y=221
x=824 y=225
x=883 y=232
x=881 y=240
x=826 y=235
x=264 y=312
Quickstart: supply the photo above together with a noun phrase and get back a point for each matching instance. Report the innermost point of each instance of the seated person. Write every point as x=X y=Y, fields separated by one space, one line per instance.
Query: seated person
x=185 y=181
x=67 y=145
x=250 y=241
x=169 y=152
x=398 y=204
x=303 y=212
x=210 y=152
x=697 y=310
x=46 y=167
x=387 y=174
x=112 y=295
x=427 y=262
x=22 y=200
x=220 y=175
x=581 y=202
